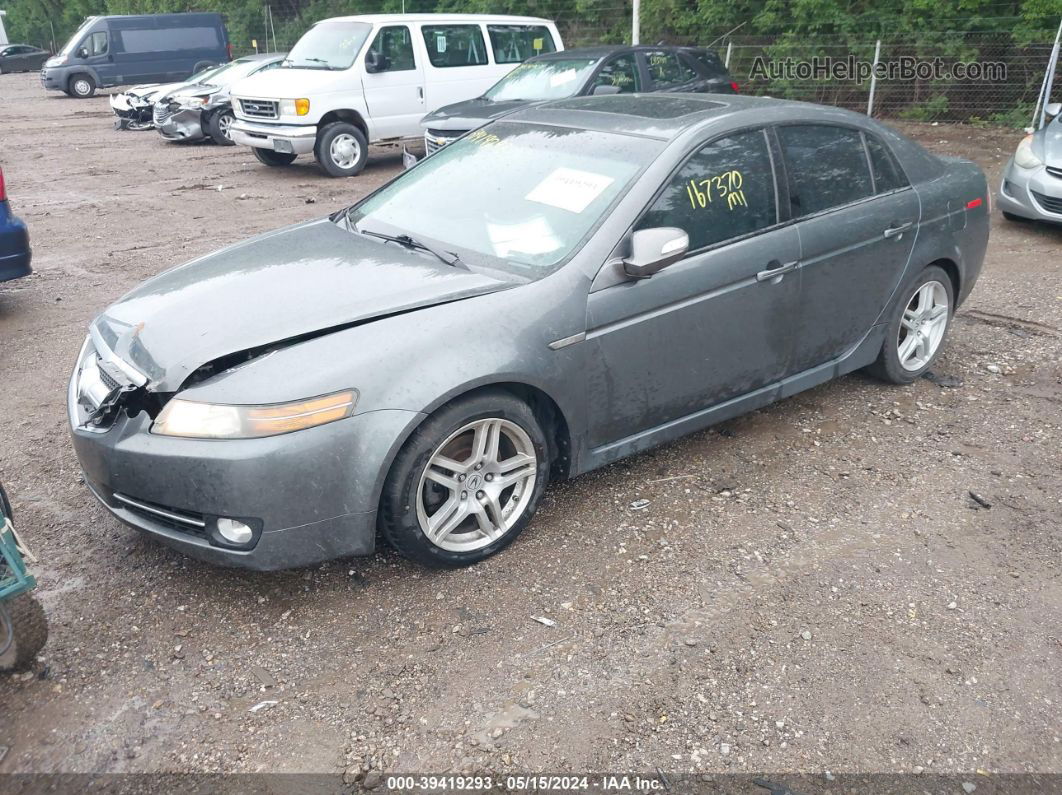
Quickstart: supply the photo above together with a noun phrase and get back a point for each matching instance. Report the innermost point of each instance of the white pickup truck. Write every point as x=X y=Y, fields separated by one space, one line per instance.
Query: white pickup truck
x=352 y=81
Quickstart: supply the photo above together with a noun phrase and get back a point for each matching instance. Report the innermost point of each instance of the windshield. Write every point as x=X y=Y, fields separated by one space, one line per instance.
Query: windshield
x=328 y=45
x=547 y=189
x=552 y=79
x=74 y=40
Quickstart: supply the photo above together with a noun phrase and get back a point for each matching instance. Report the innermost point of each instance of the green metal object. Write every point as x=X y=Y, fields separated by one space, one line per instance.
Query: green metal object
x=15 y=579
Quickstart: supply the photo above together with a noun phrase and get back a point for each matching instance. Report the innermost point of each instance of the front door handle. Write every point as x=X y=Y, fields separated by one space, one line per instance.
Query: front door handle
x=420 y=92
x=775 y=271
x=898 y=229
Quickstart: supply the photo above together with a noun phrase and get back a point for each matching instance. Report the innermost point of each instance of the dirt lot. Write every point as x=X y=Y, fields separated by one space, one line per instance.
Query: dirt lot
x=810 y=588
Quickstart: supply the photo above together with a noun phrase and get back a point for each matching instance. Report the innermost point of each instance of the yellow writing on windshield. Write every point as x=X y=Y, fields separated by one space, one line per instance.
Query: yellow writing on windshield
x=483 y=138
x=722 y=187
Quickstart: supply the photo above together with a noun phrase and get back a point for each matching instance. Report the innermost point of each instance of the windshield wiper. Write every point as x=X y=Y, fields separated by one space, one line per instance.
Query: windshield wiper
x=449 y=257
x=300 y=65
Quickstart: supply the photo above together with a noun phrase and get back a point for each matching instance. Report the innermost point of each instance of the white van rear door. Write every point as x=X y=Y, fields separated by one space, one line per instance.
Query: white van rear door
x=394 y=93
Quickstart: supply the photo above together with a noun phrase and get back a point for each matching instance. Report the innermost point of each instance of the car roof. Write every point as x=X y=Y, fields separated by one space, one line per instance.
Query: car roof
x=667 y=116
x=605 y=50
x=438 y=18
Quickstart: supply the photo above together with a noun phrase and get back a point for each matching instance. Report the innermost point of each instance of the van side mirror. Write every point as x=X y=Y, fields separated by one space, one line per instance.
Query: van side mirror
x=1052 y=110
x=375 y=62
x=652 y=250
x=603 y=90
x=82 y=52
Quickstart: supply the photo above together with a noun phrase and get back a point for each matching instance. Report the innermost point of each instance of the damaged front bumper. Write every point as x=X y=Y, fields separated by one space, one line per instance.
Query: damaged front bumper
x=177 y=123
x=133 y=112
x=309 y=496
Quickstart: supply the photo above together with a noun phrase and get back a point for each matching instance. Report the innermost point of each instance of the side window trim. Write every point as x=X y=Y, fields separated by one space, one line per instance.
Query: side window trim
x=689 y=155
x=867 y=137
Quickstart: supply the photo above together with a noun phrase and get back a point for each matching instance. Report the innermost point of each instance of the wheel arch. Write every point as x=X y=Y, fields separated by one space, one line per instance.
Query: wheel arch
x=347 y=115
x=951 y=268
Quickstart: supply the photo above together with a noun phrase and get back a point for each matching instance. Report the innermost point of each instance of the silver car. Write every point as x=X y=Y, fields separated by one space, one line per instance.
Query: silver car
x=1032 y=180
x=578 y=282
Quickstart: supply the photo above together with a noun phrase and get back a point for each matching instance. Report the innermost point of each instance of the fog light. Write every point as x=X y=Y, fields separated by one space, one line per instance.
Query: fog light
x=234 y=532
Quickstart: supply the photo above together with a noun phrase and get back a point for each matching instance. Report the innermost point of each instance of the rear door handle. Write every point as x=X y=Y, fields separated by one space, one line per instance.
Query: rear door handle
x=775 y=271
x=420 y=92
x=898 y=229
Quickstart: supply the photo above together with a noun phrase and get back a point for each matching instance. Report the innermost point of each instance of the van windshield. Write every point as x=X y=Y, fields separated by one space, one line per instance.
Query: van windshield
x=74 y=40
x=328 y=45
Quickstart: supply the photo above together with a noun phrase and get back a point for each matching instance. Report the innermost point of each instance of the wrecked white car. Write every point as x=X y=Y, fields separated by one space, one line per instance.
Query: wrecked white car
x=134 y=107
x=204 y=109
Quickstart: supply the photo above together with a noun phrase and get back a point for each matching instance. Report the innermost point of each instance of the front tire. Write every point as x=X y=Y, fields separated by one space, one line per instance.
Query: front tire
x=467 y=481
x=23 y=631
x=916 y=331
x=218 y=127
x=273 y=159
x=341 y=149
x=82 y=86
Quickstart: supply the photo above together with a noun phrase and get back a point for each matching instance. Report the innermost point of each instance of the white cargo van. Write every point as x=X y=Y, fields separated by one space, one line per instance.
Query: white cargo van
x=351 y=81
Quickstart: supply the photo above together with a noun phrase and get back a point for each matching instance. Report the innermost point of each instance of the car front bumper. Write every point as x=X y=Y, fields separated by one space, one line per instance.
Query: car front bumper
x=1034 y=193
x=293 y=139
x=54 y=79
x=310 y=495
x=184 y=125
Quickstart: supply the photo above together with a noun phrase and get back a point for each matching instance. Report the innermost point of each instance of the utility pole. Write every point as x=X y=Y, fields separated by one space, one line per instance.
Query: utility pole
x=636 y=22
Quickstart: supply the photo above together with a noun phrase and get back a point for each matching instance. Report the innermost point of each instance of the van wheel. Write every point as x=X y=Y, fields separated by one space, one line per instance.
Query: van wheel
x=341 y=149
x=271 y=158
x=218 y=127
x=82 y=86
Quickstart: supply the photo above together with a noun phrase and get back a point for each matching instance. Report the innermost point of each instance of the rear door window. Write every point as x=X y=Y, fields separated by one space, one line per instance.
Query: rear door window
x=725 y=190
x=827 y=167
x=395 y=46
x=621 y=72
x=887 y=172
x=667 y=70
x=517 y=43
x=454 y=45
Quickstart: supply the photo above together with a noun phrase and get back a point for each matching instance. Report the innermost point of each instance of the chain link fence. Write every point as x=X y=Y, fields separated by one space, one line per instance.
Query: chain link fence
x=946 y=75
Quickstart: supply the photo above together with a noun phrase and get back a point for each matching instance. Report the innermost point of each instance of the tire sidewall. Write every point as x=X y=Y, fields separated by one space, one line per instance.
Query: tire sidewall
x=91 y=86
x=322 y=149
x=890 y=355
x=214 y=127
x=400 y=495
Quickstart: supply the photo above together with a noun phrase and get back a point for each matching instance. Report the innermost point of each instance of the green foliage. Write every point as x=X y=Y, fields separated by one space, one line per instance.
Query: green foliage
x=935 y=107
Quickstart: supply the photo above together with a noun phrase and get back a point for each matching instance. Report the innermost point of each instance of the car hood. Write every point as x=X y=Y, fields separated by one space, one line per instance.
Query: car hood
x=301 y=281
x=472 y=113
x=285 y=83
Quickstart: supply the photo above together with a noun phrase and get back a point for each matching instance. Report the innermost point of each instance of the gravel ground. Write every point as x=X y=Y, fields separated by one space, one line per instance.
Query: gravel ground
x=809 y=587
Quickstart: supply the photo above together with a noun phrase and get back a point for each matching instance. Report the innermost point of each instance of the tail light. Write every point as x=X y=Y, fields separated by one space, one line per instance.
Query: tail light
x=3 y=190
x=228 y=49
x=736 y=88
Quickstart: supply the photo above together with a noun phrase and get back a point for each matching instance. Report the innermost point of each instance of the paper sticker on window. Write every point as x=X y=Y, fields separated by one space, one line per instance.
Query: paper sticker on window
x=559 y=79
x=569 y=189
x=536 y=44
x=440 y=42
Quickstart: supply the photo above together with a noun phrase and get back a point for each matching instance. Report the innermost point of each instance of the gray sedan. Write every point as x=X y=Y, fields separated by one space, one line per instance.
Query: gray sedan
x=1032 y=180
x=579 y=282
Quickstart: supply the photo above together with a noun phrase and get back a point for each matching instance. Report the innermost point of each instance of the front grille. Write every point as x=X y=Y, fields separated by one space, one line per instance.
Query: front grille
x=259 y=108
x=1055 y=171
x=105 y=377
x=1049 y=203
x=434 y=140
x=161 y=112
x=193 y=524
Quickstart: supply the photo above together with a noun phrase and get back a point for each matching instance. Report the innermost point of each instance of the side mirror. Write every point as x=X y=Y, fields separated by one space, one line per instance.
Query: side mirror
x=652 y=250
x=603 y=90
x=1052 y=110
x=375 y=62
x=82 y=52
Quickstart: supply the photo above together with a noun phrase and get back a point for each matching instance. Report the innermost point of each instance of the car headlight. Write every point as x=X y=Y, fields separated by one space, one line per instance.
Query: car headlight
x=294 y=107
x=218 y=421
x=192 y=102
x=58 y=60
x=1024 y=157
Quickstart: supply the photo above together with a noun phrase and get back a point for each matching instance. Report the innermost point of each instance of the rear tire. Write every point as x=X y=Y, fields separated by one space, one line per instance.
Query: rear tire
x=22 y=617
x=274 y=159
x=493 y=489
x=218 y=127
x=341 y=149
x=917 y=328
x=82 y=86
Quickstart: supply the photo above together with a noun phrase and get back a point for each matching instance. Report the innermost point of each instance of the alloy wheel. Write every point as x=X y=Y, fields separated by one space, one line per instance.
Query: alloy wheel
x=224 y=123
x=922 y=326
x=476 y=485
